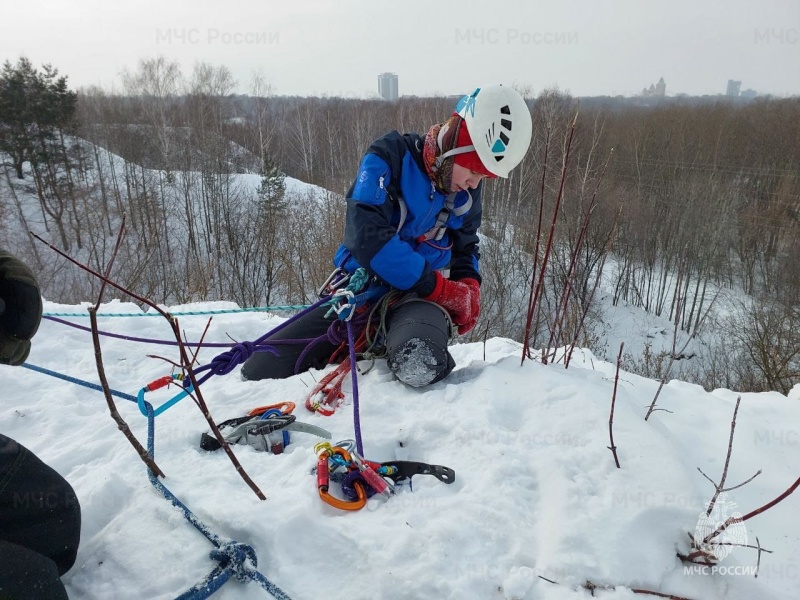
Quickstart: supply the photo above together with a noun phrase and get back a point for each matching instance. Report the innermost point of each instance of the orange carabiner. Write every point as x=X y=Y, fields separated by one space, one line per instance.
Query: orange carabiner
x=323 y=479
x=344 y=504
x=285 y=407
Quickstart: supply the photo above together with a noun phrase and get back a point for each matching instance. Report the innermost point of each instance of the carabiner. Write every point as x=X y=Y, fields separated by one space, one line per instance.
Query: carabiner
x=334 y=281
x=339 y=307
x=159 y=383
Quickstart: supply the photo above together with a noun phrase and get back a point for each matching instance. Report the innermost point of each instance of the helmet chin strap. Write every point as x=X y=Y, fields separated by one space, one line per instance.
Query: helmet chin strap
x=441 y=158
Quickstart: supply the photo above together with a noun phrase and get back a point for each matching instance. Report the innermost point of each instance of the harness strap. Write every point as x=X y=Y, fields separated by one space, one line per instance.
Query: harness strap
x=438 y=230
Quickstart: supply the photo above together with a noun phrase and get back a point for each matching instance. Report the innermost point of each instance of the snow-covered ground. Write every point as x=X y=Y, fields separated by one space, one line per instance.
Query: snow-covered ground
x=537 y=494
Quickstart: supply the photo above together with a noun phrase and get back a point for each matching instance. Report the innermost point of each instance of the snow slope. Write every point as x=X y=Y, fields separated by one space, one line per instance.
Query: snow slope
x=536 y=494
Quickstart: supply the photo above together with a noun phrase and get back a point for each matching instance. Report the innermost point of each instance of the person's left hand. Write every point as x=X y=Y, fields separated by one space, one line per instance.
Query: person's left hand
x=474 y=305
x=460 y=298
x=20 y=309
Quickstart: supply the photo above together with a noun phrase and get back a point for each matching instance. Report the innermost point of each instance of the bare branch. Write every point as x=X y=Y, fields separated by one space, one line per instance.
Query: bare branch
x=752 y=514
x=186 y=365
x=719 y=487
x=612 y=447
x=743 y=483
x=121 y=424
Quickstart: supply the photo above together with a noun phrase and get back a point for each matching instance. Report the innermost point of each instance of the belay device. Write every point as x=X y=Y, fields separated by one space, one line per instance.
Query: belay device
x=265 y=428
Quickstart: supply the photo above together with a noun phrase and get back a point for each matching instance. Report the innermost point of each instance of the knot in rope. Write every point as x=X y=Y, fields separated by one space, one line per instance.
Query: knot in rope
x=337 y=332
x=233 y=556
x=357 y=280
x=224 y=363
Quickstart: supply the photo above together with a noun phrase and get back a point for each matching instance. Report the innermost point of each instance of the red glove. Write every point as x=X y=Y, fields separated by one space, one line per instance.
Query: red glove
x=475 y=305
x=461 y=299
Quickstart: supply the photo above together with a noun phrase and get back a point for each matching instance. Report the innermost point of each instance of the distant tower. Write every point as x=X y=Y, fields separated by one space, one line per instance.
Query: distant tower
x=733 y=88
x=661 y=88
x=387 y=86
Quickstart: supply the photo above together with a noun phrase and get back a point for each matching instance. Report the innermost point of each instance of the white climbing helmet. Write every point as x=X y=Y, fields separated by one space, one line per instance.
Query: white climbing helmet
x=499 y=123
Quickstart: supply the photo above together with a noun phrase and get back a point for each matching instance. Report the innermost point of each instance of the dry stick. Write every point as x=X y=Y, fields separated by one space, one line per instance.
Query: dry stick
x=186 y=364
x=112 y=408
x=612 y=447
x=750 y=515
x=561 y=312
x=549 y=245
x=122 y=425
x=758 y=560
x=200 y=343
x=529 y=316
x=719 y=488
x=659 y=594
x=591 y=587
x=200 y=401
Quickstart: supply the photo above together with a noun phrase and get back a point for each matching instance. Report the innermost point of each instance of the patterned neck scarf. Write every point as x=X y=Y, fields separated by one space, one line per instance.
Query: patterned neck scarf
x=441 y=175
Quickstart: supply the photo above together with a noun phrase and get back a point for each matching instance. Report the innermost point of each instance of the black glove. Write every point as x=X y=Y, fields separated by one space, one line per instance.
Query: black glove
x=20 y=309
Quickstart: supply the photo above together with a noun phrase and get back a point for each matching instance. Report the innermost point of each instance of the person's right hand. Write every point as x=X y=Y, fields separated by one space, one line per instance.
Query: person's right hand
x=456 y=297
x=20 y=309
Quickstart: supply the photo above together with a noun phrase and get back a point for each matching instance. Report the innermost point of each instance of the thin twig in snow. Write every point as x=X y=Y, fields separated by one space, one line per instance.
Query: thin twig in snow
x=612 y=447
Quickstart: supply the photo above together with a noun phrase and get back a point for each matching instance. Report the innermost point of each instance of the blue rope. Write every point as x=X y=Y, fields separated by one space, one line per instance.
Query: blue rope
x=234 y=558
x=182 y=314
x=88 y=384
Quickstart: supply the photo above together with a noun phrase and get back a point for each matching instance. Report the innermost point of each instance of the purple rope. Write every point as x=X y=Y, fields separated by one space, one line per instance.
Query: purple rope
x=224 y=363
x=335 y=335
x=131 y=338
x=354 y=373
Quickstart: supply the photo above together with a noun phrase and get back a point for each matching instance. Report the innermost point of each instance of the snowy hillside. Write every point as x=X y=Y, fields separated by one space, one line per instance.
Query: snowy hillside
x=537 y=494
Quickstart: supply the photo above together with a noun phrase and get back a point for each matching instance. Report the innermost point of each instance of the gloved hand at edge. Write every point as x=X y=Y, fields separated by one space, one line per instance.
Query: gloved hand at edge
x=21 y=309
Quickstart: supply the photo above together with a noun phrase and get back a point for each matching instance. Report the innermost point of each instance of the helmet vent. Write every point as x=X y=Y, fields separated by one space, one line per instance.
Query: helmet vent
x=505 y=110
x=506 y=123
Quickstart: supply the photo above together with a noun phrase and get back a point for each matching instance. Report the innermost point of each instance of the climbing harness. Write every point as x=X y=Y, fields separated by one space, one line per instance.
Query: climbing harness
x=361 y=479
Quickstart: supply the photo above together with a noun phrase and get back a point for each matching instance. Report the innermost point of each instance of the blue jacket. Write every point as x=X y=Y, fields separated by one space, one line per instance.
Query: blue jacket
x=392 y=175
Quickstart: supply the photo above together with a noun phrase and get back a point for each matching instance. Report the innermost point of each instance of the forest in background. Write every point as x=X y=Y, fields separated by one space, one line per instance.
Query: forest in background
x=696 y=197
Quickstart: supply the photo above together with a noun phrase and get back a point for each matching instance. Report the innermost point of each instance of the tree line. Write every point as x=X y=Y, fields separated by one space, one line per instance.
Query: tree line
x=709 y=189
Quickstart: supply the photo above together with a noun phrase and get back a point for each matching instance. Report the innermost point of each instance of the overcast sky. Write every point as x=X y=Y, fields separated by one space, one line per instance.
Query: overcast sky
x=338 y=47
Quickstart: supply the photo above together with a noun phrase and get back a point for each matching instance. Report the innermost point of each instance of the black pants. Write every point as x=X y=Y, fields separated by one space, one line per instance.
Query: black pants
x=40 y=524
x=416 y=345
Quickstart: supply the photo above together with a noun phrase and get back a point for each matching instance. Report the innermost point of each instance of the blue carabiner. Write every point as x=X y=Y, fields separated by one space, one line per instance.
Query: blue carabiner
x=174 y=400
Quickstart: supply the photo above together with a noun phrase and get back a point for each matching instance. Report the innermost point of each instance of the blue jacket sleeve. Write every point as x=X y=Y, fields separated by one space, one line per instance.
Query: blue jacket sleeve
x=465 y=261
x=371 y=233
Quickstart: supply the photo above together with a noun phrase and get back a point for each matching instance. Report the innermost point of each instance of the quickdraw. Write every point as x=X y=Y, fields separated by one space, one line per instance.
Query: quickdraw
x=330 y=390
x=361 y=479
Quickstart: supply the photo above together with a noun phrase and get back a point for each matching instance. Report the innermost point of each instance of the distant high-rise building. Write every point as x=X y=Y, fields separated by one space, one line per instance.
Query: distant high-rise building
x=733 y=88
x=748 y=93
x=659 y=89
x=387 y=86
